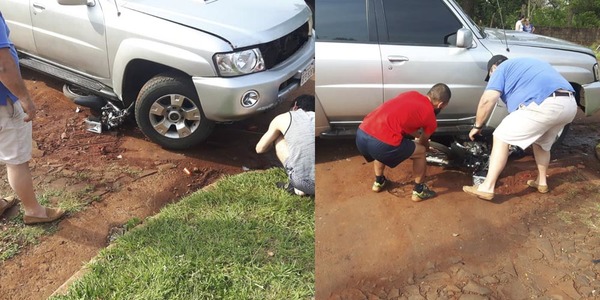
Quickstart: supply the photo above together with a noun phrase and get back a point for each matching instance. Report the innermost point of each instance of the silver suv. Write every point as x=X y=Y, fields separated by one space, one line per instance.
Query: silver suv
x=368 y=51
x=180 y=65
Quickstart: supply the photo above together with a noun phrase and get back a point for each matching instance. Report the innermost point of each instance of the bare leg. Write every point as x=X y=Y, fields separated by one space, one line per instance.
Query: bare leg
x=19 y=178
x=498 y=159
x=282 y=150
x=419 y=163
x=542 y=159
x=379 y=167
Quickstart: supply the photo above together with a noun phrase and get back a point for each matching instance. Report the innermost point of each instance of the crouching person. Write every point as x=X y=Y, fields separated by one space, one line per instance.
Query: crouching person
x=293 y=136
x=380 y=137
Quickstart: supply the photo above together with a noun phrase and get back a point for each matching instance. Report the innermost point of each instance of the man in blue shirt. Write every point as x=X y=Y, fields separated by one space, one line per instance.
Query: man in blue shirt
x=540 y=103
x=17 y=110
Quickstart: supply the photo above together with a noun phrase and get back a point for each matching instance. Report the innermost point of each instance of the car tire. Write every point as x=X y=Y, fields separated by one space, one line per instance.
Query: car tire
x=169 y=113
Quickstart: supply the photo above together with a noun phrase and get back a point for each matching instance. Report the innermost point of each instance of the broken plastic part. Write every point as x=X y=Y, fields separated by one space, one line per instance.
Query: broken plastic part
x=93 y=126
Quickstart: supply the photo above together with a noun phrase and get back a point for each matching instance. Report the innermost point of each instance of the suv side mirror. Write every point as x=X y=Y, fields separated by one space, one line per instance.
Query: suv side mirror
x=464 y=38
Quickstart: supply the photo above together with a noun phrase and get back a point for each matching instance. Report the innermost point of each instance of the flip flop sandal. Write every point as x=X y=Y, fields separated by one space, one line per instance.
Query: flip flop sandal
x=10 y=202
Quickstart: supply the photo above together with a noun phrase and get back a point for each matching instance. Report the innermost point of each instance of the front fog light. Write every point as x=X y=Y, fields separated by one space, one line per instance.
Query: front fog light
x=250 y=98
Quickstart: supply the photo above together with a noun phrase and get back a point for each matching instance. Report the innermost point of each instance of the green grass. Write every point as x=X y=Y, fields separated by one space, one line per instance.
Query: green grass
x=241 y=239
x=14 y=235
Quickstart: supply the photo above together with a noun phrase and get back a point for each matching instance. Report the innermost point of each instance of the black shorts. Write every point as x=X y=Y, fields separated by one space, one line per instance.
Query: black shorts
x=374 y=149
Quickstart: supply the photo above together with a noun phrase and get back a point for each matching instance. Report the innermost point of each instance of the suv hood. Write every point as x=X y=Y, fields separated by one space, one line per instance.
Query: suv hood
x=520 y=38
x=240 y=22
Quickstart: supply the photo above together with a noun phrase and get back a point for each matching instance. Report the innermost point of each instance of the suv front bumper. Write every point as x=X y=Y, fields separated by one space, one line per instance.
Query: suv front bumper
x=221 y=97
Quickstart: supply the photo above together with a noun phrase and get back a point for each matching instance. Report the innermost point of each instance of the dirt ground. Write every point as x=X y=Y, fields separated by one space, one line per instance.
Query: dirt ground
x=128 y=177
x=523 y=245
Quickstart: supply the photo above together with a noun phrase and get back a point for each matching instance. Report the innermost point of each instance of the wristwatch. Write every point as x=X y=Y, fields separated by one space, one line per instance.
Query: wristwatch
x=477 y=127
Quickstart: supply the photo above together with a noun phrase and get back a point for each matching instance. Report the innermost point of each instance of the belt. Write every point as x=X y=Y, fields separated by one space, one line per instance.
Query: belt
x=561 y=94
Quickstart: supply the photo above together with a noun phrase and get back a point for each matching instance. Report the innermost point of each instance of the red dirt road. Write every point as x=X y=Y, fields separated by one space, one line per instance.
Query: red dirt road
x=522 y=245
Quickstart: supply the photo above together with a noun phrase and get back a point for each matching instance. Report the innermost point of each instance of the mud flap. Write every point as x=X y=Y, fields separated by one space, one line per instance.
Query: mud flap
x=500 y=111
x=590 y=97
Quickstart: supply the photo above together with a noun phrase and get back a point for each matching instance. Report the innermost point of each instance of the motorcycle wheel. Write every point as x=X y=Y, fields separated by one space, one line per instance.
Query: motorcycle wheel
x=439 y=155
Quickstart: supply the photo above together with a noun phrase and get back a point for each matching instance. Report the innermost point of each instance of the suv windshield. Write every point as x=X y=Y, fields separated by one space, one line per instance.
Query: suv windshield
x=467 y=18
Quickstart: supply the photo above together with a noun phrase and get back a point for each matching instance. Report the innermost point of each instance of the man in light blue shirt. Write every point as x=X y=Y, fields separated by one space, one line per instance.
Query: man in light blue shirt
x=17 y=110
x=540 y=103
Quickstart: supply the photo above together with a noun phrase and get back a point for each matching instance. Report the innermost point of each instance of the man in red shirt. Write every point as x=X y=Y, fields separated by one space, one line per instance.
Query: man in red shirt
x=380 y=137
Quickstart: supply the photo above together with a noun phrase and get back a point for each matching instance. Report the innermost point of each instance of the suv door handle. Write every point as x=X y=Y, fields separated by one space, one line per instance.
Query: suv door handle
x=397 y=58
x=39 y=6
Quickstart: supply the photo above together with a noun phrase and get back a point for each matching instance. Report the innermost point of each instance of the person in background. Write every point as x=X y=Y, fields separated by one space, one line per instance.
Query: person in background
x=381 y=136
x=540 y=103
x=293 y=136
x=17 y=110
x=527 y=26
x=519 y=23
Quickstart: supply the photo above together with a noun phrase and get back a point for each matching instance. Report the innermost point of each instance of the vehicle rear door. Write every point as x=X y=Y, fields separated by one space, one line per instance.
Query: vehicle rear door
x=73 y=36
x=348 y=61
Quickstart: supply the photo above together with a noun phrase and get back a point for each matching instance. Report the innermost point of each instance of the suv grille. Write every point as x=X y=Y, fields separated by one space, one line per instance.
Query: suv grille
x=281 y=49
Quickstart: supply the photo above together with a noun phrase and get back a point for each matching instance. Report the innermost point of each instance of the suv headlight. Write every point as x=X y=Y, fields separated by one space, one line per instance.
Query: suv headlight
x=596 y=73
x=240 y=62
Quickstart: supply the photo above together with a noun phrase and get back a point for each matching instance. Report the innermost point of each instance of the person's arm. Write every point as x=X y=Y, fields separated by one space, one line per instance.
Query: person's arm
x=274 y=131
x=484 y=109
x=429 y=127
x=10 y=76
x=424 y=140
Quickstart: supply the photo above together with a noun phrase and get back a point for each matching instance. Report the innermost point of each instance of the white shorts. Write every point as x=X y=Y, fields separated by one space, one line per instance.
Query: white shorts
x=539 y=124
x=15 y=135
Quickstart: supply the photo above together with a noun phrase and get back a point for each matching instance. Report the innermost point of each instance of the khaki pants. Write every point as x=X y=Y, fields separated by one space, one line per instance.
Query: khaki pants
x=15 y=135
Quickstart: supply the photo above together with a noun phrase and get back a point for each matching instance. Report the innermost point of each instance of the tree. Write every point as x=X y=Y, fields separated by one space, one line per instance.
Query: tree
x=549 y=13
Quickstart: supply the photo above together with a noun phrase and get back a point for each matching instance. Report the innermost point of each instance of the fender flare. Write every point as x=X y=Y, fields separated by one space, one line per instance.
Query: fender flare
x=167 y=55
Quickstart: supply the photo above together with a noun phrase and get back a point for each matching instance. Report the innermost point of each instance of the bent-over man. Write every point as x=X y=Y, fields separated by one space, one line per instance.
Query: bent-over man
x=540 y=103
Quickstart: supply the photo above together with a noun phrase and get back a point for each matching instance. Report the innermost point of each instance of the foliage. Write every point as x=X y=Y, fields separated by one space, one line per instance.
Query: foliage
x=547 y=13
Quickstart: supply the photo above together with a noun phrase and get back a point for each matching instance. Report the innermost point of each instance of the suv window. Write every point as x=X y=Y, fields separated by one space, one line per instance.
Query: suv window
x=342 y=20
x=435 y=22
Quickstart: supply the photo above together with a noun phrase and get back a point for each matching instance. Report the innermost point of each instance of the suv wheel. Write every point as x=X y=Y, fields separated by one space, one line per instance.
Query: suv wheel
x=168 y=112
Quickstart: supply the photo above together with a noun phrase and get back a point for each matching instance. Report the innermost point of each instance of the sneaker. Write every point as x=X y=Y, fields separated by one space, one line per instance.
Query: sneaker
x=426 y=193
x=377 y=187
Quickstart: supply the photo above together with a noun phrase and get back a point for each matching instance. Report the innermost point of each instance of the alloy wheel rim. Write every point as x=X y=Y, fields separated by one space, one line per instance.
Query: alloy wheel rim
x=174 y=116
